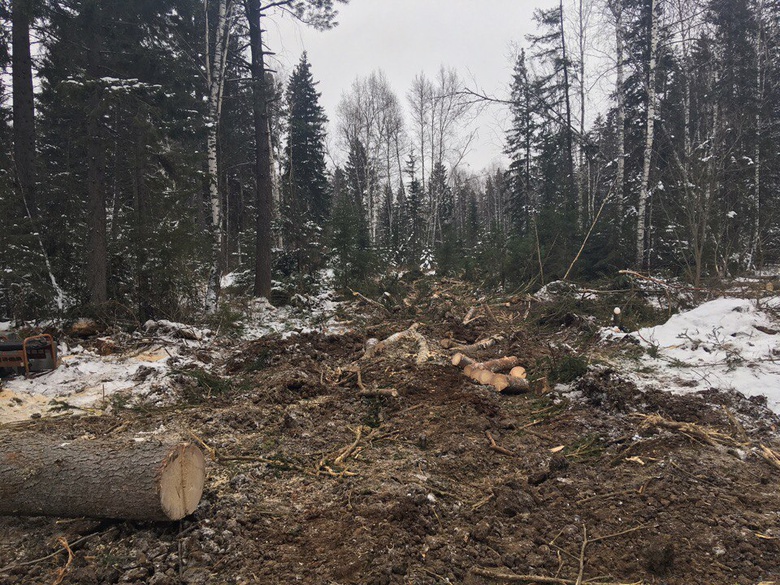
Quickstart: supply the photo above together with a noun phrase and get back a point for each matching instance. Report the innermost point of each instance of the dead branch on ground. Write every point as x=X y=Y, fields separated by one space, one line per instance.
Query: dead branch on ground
x=496 y=447
x=483 y=344
x=691 y=430
x=423 y=352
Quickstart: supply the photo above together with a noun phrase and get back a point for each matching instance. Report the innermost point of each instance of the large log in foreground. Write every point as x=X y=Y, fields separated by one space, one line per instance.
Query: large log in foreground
x=133 y=480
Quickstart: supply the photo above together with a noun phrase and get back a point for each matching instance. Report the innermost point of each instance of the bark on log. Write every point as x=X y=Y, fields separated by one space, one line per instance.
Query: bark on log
x=501 y=382
x=136 y=480
x=496 y=365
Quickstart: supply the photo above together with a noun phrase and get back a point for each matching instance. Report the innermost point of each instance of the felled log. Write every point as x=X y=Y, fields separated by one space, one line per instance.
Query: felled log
x=518 y=372
x=486 y=373
x=497 y=365
x=133 y=480
x=501 y=382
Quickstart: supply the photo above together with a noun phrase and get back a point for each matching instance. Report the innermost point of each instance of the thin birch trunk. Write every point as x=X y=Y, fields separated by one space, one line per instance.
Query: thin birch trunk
x=620 y=177
x=756 y=198
x=215 y=72
x=644 y=187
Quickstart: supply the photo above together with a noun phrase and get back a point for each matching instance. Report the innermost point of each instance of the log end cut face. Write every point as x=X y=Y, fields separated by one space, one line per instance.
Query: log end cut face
x=181 y=481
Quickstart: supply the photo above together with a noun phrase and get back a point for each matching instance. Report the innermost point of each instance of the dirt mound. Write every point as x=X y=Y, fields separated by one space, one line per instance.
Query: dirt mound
x=313 y=480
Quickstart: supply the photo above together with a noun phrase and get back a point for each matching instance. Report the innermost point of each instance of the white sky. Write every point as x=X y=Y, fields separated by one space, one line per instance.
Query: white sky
x=406 y=37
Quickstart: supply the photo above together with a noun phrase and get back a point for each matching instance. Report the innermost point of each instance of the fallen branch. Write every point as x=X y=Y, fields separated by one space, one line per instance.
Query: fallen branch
x=423 y=352
x=692 y=430
x=497 y=575
x=369 y=301
x=379 y=392
x=496 y=447
x=770 y=455
x=515 y=578
x=484 y=344
x=470 y=316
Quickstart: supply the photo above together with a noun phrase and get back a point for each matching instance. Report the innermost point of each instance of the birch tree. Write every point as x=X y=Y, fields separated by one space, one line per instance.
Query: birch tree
x=644 y=185
x=216 y=65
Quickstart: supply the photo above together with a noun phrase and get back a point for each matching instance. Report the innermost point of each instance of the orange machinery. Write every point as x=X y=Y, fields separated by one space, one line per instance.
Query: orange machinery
x=35 y=353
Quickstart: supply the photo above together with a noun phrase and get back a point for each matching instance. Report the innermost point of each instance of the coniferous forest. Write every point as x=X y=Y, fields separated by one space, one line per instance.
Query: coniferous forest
x=150 y=148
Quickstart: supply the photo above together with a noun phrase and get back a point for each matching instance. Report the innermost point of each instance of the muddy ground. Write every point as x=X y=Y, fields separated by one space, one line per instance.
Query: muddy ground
x=449 y=482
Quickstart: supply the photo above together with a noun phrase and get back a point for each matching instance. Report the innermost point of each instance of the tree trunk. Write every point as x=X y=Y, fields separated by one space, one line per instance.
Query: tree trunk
x=263 y=163
x=755 y=239
x=620 y=176
x=215 y=70
x=98 y=478
x=97 y=253
x=23 y=106
x=644 y=187
x=567 y=97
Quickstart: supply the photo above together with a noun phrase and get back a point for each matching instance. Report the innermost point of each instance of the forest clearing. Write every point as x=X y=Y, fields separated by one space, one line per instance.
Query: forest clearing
x=389 y=292
x=332 y=461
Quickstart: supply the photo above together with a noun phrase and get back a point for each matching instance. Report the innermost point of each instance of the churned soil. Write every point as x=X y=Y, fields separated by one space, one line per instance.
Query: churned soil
x=314 y=478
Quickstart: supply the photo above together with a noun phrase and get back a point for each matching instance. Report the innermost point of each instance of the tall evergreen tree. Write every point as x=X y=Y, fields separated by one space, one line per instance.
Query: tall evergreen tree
x=305 y=177
x=521 y=147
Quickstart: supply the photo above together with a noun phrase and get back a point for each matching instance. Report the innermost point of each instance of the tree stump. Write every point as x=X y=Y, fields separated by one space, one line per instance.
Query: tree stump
x=133 y=480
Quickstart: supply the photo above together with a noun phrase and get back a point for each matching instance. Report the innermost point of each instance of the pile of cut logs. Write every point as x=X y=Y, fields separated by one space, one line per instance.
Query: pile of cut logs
x=489 y=372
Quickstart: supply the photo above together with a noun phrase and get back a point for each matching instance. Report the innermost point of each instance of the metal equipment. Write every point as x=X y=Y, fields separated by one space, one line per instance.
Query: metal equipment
x=34 y=354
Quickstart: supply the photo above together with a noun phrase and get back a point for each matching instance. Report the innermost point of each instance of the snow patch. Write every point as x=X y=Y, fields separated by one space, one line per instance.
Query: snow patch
x=727 y=344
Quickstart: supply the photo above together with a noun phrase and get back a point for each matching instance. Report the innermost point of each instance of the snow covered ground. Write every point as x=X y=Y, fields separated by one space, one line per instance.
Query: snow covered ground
x=89 y=382
x=727 y=344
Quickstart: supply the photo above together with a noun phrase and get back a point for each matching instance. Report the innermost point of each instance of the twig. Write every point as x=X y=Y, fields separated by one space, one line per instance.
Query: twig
x=61 y=572
x=621 y=533
x=483 y=501
x=54 y=554
x=607 y=496
x=582 y=555
x=369 y=301
x=770 y=455
x=515 y=578
x=737 y=425
x=497 y=448
x=210 y=450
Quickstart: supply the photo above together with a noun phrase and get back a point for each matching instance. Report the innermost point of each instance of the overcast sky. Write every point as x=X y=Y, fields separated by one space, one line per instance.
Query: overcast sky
x=406 y=37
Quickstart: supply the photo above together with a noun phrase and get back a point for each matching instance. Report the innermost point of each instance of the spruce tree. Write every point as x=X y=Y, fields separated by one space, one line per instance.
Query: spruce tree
x=521 y=145
x=305 y=186
x=305 y=174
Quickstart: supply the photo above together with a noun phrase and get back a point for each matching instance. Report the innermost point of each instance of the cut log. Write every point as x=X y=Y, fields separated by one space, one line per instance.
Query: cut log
x=497 y=365
x=518 y=372
x=502 y=364
x=133 y=480
x=501 y=382
x=462 y=361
